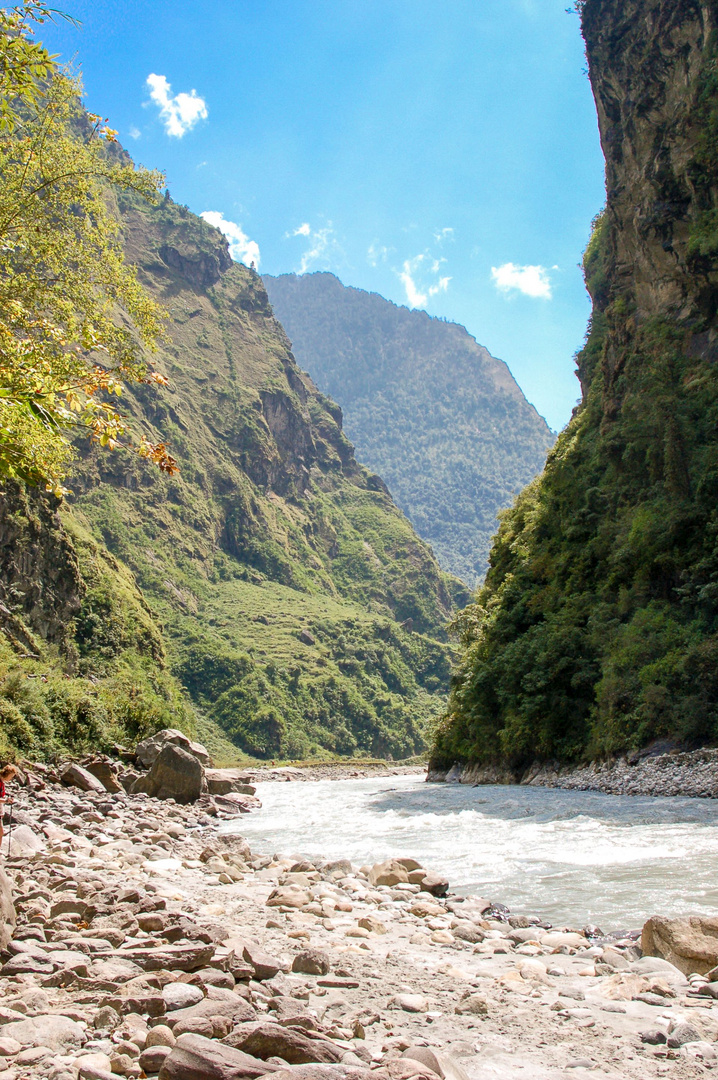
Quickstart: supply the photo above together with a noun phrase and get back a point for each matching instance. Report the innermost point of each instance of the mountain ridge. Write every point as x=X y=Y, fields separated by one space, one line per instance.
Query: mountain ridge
x=270 y=593
x=479 y=441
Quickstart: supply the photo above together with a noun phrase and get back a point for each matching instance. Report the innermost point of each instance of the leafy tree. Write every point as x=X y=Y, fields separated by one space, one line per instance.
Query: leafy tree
x=74 y=320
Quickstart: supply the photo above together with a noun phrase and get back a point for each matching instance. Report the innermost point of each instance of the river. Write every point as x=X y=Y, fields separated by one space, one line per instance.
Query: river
x=571 y=857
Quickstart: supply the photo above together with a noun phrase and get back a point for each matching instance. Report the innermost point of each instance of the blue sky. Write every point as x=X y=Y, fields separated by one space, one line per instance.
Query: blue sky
x=443 y=155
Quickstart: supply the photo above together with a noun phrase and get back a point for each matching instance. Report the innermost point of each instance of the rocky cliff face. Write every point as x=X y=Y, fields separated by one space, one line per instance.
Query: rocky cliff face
x=596 y=631
x=299 y=611
x=441 y=420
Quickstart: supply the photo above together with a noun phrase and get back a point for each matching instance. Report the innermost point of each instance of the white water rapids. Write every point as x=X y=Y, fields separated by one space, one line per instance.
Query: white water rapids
x=571 y=857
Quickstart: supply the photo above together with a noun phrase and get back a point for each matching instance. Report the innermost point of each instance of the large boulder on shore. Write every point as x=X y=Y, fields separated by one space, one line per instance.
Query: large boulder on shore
x=391 y=872
x=150 y=749
x=193 y=1057
x=7 y=910
x=690 y=943
x=175 y=774
x=227 y=781
x=75 y=776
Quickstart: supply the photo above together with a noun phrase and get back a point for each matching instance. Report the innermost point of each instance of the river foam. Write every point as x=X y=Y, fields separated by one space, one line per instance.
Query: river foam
x=571 y=857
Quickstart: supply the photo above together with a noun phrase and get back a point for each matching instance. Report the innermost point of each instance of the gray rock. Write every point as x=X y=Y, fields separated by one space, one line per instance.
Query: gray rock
x=173 y=957
x=102 y=770
x=175 y=774
x=267 y=1040
x=197 y=1058
x=23 y=841
x=152 y=1059
x=75 y=776
x=653 y=1036
x=265 y=966
x=683 y=1033
x=181 y=995
x=311 y=962
x=414 y=1003
x=435 y=884
x=149 y=750
x=224 y=781
x=218 y=1003
x=56 y=1032
x=26 y=963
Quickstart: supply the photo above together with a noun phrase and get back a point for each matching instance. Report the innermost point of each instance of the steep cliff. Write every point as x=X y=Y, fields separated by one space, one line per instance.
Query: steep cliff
x=298 y=608
x=441 y=420
x=597 y=630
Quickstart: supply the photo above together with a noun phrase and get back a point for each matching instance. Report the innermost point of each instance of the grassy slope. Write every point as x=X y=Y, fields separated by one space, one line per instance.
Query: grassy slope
x=271 y=528
x=440 y=419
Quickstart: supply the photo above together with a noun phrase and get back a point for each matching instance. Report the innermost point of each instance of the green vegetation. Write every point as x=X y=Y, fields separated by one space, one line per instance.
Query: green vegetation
x=95 y=674
x=597 y=629
x=270 y=597
x=269 y=533
x=63 y=352
x=441 y=421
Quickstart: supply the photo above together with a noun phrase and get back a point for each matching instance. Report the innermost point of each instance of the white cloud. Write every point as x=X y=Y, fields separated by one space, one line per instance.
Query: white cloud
x=407 y=278
x=419 y=292
x=323 y=247
x=180 y=112
x=241 y=248
x=530 y=280
x=444 y=234
x=377 y=253
x=134 y=132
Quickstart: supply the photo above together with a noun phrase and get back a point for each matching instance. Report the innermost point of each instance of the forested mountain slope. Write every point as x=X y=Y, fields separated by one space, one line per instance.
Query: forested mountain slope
x=440 y=419
x=273 y=579
x=597 y=630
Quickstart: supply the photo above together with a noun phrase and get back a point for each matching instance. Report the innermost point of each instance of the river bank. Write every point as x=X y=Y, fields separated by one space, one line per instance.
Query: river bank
x=151 y=940
x=692 y=774
x=328 y=770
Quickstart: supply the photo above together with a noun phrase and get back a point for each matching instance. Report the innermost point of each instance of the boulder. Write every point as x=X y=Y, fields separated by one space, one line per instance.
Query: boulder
x=374 y=925
x=434 y=884
x=311 y=962
x=57 y=1032
x=152 y=1059
x=414 y=1003
x=171 y=957
x=7 y=910
x=194 y=1057
x=690 y=943
x=22 y=841
x=224 y=781
x=181 y=995
x=149 y=750
x=75 y=776
x=442 y=1064
x=265 y=966
x=390 y=872
x=103 y=771
x=218 y=1003
x=267 y=1040
x=288 y=896
x=175 y=774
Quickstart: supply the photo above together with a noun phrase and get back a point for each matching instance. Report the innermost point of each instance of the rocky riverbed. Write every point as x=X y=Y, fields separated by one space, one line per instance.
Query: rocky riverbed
x=148 y=943
x=693 y=774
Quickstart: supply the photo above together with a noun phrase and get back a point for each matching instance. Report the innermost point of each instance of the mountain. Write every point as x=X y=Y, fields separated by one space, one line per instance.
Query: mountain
x=597 y=629
x=440 y=419
x=271 y=592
